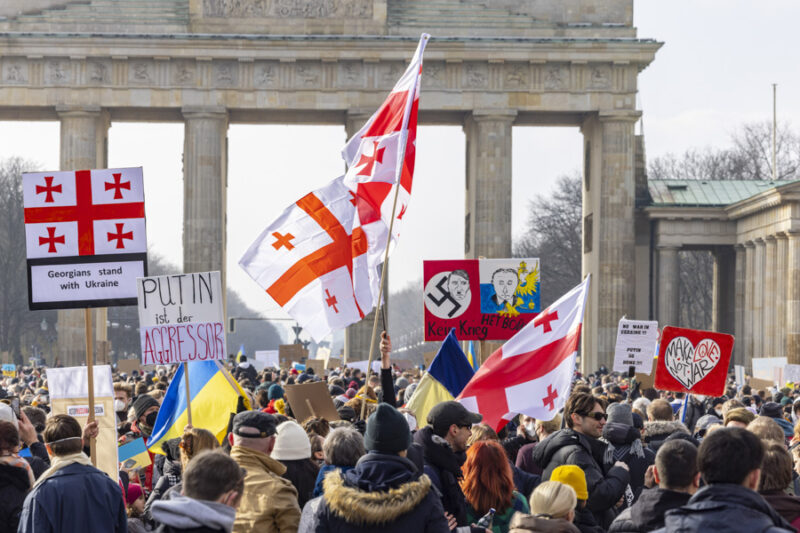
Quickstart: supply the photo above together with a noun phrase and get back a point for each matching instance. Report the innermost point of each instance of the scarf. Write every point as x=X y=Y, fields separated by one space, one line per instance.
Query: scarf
x=57 y=462
x=16 y=461
x=627 y=442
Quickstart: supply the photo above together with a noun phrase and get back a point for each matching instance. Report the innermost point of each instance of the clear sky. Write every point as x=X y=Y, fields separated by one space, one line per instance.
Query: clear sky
x=713 y=73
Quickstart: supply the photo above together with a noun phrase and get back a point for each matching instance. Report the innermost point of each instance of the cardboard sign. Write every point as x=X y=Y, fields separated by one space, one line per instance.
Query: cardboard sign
x=69 y=394
x=291 y=352
x=792 y=373
x=268 y=357
x=636 y=345
x=333 y=362
x=362 y=365
x=692 y=360
x=128 y=366
x=311 y=399
x=763 y=366
x=85 y=237
x=738 y=371
x=181 y=318
x=646 y=381
x=9 y=371
x=482 y=298
x=318 y=365
x=759 y=384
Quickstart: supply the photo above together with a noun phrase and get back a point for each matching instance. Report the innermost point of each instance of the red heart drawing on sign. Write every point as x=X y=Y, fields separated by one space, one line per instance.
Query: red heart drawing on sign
x=689 y=364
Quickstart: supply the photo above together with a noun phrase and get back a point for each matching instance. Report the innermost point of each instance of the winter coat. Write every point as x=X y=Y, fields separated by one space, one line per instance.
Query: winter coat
x=382 y=493
x=525 y=460
x=171 y=473
x=625 y=445
x=786 y=426
x=502 y=517
x=75 y=498
x=725 y=508
x=524 y=482
x=14 y=486
x=568 y=447
x=443 y=466
x=302 y=473
x=786 y=505
x=525 y=523
x=512 y=446
x=246 y=370
x=39 y=459
x=648 y=512
x=196 y=516
x=137 y=525
x=656 y=432
x=269 y=502
x=321 y=477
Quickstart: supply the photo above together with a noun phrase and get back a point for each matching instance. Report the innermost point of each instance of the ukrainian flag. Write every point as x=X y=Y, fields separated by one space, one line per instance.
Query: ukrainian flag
x=214 y=397
x=472 y=357
x=449 y=373
x=240 y=353
x=136 y=452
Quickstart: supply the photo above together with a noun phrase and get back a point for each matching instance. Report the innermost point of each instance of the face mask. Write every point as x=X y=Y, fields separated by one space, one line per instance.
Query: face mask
x=530 y=429
x=150 y=420
x=719 y=412
x=412 y=421
x=119 y=405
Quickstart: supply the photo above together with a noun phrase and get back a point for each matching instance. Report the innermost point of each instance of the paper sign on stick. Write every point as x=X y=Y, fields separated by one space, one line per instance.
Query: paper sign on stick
x=181 y=318
x=269 y=357
x=792 y=373
x=318 y=365
x=762 y=366
x=289 y=353
x=692 y=360
x=333 y=362
x=311 y=399
x=636 y=345
x=739 y=375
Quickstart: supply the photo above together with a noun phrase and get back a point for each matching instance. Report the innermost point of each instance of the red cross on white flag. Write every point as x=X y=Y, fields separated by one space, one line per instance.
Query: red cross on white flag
x=86 y=212
x=532 y=372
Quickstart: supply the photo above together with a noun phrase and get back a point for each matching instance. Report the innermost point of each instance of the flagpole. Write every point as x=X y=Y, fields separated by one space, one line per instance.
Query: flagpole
x=188 y=395
x=87 y=321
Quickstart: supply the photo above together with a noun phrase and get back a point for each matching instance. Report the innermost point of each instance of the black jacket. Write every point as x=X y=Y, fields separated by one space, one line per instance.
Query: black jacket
x=303 y=475
x=382 y=493
x=647 y=514
x=246 y=370
x=656 y=432
x=14 y=486
x=443 y=466
x=725 y=508
x=171 y=473
x=623 y=439
x=568 y=447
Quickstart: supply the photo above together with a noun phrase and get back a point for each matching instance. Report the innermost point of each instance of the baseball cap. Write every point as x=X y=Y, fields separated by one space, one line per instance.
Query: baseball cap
x=265 y=423
x=445 y=414
x=573 y=476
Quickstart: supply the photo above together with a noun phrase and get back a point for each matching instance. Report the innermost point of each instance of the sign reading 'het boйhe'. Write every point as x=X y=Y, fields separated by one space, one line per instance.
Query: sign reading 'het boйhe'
x=181 y=318
x=85 y=237
x=484 y=299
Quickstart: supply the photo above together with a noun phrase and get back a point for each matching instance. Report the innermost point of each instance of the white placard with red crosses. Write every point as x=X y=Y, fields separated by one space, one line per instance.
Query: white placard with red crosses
x=86 y=237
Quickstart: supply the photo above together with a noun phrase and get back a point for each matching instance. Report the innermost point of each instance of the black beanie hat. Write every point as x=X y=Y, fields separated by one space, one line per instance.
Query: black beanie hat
x=143 y=403
x=387 y=430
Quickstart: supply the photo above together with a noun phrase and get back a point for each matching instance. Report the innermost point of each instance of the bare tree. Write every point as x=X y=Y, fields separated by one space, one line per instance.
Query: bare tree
x=695 y=289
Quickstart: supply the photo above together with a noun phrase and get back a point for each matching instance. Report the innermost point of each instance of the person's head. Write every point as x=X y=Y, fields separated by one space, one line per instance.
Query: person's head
x=262 y=398
x=676 y=466
x=482 y=431
x=659 y=410
x=717 y=449
x=194 y=441
x=776 y=468
x=291 y=442
x=254 y=430
x=458 y=284
x=318 y=425
x=488 y=481
x=122 y=396
x=387 y=431
x=62 y=435
x=575 y=477
x=213 y=476
x=765 y=428
x=739 y=418
x=135 y=500
x=453 y=422
x=344 y=446
x=317 y=443
x=733 y=403
x=275 y=392
x=36 y=416
x=585 y=414
x=553 y=499
x=146 y=411
x=547 y=427
x=9 y=438
x=640 y=404
x=505 y=281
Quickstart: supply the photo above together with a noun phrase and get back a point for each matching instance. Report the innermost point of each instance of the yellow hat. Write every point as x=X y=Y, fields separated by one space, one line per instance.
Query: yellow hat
x=573 y=476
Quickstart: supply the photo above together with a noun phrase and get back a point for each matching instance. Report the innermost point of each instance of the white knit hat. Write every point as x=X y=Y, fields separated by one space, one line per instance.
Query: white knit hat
x=7 y=414
x=291 y=443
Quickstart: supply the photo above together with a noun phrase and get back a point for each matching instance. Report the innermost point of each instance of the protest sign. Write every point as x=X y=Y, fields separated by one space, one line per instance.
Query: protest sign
x=759 y=384
x=646 y=381
x=362 y=366
x=762 y=366
x=738 y=371
x=128 y=366
x=69 y=395
x=636 y=345
x=85 y=237
x=288 y=353
x=268 y=357
x=311 y=399
x=333 y=362
x=322 y=353
x=318 y=365
x=181 y=318
x=484 y=299
x=134 y=454
x=791 y=373
x=9 y=371
x=777 y=376
x=692 y=360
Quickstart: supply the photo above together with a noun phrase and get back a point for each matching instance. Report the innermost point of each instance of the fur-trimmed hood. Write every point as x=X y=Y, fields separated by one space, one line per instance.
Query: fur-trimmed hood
x=378 y=491
x=661 y=429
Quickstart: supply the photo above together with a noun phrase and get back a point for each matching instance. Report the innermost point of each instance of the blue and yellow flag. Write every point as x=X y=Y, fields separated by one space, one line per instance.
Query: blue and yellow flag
x=240 y=353
x=472 y=357
x=134 y=455
x=449 y=373
x=214 y=397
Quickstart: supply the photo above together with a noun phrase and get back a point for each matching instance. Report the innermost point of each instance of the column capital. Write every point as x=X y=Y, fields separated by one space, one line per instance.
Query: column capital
x=739 y=246
x=64 y=110
x=619 y=115
x=770 y=238
x=782 y=235
x=212 y=112
x=481 y=115
x=749 y=244
x=760 y=241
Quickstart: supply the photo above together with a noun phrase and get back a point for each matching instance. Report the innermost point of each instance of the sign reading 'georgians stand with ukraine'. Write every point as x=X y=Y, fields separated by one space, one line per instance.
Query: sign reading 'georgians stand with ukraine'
x=85 y=236
x=484 y=299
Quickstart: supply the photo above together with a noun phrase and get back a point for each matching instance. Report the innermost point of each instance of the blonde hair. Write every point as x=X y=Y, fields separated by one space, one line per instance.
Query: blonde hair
x=194 y=441
x=549 y=426
x=482 y=432
x=553 y=499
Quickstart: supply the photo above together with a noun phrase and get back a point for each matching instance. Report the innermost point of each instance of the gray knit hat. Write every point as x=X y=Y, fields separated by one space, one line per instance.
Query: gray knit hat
x=620 y=413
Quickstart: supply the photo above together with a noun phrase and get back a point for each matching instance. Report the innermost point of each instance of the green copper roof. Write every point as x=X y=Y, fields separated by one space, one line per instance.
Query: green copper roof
x=708 y=193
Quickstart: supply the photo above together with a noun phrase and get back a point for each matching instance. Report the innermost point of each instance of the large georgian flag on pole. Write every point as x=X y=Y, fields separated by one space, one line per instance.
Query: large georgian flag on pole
x=532 y=372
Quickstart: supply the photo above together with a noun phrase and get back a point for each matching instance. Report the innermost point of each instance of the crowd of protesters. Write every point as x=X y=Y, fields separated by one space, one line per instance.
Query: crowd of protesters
x=616 y=459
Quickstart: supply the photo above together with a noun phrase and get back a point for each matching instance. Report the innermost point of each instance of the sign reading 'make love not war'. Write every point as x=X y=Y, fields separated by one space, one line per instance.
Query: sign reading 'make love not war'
x=181 y=318
x=691 y=360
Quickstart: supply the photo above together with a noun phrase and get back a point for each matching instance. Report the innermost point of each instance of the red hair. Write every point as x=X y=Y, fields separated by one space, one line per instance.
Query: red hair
x=488 y=481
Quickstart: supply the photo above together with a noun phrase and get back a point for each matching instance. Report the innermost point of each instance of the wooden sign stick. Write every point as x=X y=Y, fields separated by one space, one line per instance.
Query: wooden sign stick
x=188 y=394
x=87 y=318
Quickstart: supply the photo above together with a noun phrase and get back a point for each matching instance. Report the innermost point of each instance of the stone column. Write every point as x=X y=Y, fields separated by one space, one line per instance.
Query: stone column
x=608 y=226
x=749 y=261
x=723 y=299
x=358 y=336
x=488 y=210
x=668 y=286
x=739 y=318
x=793 y=298
x=758 y=297
x=205 y=181
x=84 y=145
x=781 y=283
x=768 y=298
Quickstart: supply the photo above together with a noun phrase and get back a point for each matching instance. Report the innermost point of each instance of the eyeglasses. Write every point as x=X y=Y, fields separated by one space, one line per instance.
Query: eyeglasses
x=597 y=416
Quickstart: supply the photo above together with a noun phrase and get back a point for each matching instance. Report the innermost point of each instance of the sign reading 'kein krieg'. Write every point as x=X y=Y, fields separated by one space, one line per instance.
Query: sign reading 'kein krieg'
x=181 y=318
x=85 y=235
